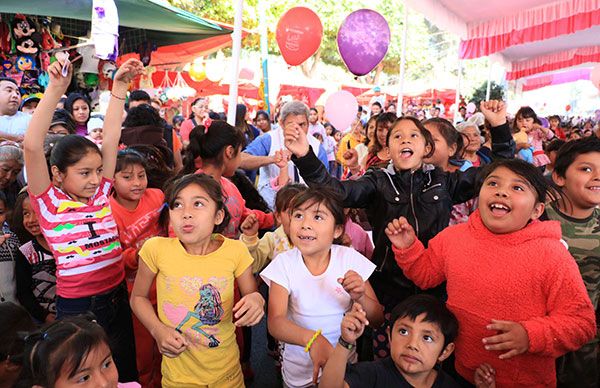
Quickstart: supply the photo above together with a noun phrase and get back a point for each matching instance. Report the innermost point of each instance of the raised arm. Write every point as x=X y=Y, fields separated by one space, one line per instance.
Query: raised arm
x=38 y=178
x=114 y=114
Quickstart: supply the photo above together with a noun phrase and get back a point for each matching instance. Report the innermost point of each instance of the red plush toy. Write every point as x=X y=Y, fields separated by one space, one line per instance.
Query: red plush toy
x=22 y=26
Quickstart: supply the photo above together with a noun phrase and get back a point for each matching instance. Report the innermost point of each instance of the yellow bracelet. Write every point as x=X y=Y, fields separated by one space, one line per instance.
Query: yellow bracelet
x=313 y=339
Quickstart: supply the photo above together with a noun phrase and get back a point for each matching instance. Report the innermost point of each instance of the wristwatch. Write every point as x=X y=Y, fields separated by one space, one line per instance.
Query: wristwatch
x=345 y=344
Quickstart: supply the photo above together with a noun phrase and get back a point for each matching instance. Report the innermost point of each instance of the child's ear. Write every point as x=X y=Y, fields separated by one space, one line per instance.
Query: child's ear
x=446 y=352
x=56 y=174
x=559 y=180
x=453 y=149
x=538 y=210
x=339 y=230
x=229 y=152
x=219 y=217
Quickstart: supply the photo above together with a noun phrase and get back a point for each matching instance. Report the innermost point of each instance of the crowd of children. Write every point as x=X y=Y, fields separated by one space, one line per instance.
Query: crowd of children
x=398 y=252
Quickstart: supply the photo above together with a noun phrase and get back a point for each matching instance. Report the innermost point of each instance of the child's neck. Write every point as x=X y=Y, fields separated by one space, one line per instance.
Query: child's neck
x=317 y=263
x=127 y=204
x=212 y=170
x=420 y=380
x=203 y=247
x=42 y=241
x=570 y=208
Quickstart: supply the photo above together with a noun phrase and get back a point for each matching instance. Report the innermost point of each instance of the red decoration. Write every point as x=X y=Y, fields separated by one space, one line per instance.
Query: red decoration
x=299 y=34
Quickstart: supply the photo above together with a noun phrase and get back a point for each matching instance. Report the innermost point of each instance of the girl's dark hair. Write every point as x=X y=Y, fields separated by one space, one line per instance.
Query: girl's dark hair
x=16 y=221
x=72 y=98
x=555 y=117
x=326 y=196
x=64 y=118
x=240 y=121
x=542 y=186
x=129 y=157
x=70 y=149
x=61 y=346
x=141 y=115
x=286 y=195
x=249 y=192
x=157 y=170
x=177 y=119
x=382 y=118
x=212 y=188
x=263 y=113
x=209 y=144
x=194 y=103
x=525 y=112
x=314 y=110
x=449 y=133
x=426 y=134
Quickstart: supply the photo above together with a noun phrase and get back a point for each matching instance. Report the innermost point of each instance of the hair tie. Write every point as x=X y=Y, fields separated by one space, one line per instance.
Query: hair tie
x=207 y=122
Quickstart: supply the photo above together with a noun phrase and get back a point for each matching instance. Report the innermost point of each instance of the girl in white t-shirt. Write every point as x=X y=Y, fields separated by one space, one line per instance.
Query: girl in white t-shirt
x=314 y=284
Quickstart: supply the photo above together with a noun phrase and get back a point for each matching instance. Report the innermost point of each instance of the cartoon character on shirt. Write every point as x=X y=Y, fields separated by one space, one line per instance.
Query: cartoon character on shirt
x=208 y=311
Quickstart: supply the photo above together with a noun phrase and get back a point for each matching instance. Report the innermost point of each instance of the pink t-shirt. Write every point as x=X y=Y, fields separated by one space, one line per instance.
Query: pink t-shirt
x=83 y=239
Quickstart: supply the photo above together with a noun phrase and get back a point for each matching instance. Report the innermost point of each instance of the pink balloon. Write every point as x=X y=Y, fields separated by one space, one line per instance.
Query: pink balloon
x=471 y=107
x=340 y=109
x=595 y=76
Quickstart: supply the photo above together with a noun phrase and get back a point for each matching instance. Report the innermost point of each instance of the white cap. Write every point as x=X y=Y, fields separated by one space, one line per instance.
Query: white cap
x=94 y=123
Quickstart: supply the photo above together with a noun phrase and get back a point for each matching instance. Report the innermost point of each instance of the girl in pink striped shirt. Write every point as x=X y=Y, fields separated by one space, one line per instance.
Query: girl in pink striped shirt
x=75 y=217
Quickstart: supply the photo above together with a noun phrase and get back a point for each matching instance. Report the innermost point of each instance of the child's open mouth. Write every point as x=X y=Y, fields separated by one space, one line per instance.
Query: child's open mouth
x=499 y=209
x=406 y=153
x=307 y=238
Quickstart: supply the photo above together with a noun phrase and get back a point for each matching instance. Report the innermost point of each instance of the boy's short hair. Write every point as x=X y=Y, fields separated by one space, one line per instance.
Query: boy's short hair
x=435 y=312
x=571 y=150
x=376 y=103
x=286 y=194
x=139 y=95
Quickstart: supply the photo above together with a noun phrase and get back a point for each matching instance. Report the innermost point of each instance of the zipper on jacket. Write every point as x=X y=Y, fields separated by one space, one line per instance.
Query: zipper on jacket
x=431 y=187
x=412 y=205
x=380 y=268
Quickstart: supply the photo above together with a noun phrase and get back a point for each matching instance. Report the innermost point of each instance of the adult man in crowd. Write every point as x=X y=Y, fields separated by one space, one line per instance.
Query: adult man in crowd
x=261 y=153
x=13 y=123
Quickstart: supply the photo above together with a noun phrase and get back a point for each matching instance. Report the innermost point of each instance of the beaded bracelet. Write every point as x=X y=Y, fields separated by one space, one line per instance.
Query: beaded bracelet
x=313 y=339
x=117 y=97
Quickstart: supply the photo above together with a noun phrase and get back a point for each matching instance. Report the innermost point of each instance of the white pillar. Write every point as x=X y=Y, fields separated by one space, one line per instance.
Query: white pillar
x=489 y=80
x=400 y=105
x=235 y=61
x=457 y=100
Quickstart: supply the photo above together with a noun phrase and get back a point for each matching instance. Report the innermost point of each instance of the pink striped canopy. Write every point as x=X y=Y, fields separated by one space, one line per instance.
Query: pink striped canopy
x=530 y=36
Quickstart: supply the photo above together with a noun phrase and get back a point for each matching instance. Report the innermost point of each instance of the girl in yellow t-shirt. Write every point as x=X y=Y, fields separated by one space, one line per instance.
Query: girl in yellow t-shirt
x=195 y=274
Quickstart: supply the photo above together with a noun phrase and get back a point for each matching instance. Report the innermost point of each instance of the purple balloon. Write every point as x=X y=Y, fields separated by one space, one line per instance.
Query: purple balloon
x=363 y=40
x=545 y=122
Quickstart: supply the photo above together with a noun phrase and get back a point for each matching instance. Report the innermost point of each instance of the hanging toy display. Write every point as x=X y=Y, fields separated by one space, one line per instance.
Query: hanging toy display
x=146 y=78
x=22 y=26
x=106 y=72
x=25 y=62
x=4 y=36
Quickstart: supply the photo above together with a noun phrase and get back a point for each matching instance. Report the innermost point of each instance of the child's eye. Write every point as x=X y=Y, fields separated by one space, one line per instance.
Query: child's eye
x=518 y=188
x=318 y=218
x=126 y=177
x=492 y=183
x=198 y=204
x=414 y=135
x=85 y=173
x=427 y=338
x=403 y=332
x=176 y=205
x=586 y=169
x=107 y=364
x=83 y=379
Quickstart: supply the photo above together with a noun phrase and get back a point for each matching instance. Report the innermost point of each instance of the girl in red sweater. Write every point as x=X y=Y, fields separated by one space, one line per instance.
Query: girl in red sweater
x=136 y=210
x=515 y=289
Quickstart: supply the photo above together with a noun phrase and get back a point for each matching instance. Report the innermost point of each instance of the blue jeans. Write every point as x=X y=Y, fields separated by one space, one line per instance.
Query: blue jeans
x=114 y=315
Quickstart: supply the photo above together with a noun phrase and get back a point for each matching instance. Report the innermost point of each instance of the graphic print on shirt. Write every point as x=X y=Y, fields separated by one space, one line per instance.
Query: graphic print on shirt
x=208 y=311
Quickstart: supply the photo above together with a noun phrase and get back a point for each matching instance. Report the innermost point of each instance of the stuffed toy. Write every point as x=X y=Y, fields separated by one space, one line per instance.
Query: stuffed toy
x=48 y=42
x=29 y=45
x=25 y=62
x=106 y=72
x=7 y=67
x=145 y=50
x=146 y=78
x=22 y=26
x=4 y=37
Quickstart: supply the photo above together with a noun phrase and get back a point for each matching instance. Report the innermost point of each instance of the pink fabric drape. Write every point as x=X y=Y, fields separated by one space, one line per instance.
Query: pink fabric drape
x=556 y=79
x=539 y=23
x=554 y=61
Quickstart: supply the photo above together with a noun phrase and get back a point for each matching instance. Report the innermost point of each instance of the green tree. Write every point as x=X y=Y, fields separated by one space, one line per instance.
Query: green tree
x=496 y=93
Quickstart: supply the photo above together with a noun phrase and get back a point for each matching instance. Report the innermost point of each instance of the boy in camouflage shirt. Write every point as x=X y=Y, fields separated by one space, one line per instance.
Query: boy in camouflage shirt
x=577 y=173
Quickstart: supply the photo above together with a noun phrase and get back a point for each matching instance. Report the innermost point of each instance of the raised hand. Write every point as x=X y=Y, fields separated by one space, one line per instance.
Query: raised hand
x=249 y=310
x=513 y=338
x=354 y=323
x=494 y=111
x=353 y=284
x=281 y=158
x=351 y=158
x=401 y=233
x=320 y=351
x=485 y=376
x=250 y=225
x=171 y=343
x=128 y=71
x=57 y=80
x=295 y=139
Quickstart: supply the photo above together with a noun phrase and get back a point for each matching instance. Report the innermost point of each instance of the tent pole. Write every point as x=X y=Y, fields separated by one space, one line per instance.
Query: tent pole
x=400 y=104
x=264 y=50
x=457 y=99
x=488 y=91
x=235 y=61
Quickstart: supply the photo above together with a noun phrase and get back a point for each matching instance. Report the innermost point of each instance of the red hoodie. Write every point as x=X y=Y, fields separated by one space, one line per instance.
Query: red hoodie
x=526 y=276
